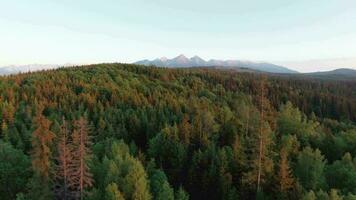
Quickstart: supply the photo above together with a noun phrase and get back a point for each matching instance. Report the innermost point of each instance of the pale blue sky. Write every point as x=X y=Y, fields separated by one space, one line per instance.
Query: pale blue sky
x=292 y=32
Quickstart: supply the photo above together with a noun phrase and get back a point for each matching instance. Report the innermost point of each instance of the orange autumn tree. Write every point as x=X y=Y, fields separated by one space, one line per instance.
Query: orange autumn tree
x=260 y=167
x=42 y=139
x=285 y=173
x=286 y=183
x=79 y=175
x=64 y=160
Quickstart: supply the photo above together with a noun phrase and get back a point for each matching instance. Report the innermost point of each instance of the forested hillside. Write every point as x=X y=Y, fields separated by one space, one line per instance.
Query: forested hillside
x=118 y=131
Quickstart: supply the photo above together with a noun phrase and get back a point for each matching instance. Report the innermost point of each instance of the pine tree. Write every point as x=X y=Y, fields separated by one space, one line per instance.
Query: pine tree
x=4 y=131
x=181 y=194
x=159 y=185
x=126 y=171
x=238 y=156
x=113 y=193
x=285 y=175
x=333 y=195
x=42 y=138
x=260 y=137
x=309 y=196
x=309 y=169
x=8 y=112
x=185 y=130
x=79 y=175
x=64 y=160
x=258 y=147
x=261 y=165
x=15 y=170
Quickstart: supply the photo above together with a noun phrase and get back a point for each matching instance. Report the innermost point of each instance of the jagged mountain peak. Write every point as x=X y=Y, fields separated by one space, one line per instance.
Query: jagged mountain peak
x=181 y=57
x=163 y=59
x=196 y=57
x=195 y=61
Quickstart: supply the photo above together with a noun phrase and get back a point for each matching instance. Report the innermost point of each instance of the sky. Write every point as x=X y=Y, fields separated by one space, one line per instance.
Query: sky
x=305 y=35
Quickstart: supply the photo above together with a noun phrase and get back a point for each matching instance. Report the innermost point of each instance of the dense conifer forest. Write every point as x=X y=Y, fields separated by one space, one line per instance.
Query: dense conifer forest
x=119 y=131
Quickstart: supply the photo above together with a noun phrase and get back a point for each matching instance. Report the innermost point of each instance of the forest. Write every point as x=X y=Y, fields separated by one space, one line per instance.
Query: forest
x=123 y=131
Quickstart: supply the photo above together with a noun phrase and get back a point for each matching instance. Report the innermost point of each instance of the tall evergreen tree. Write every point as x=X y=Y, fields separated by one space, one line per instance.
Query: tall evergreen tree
x=42 y=139
x=80 y=176
x=310 y=169
x=181 y=194
x=113 y=193
x=64 y=161
x=15 y=171
x=285 y=178
x=126 y=171
x=260 y=163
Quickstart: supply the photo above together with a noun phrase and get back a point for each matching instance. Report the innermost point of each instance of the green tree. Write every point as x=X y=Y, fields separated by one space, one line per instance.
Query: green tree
x=126 y=172
x=350 y=197
x=113 y=193
x=260 y=166
x=181 y=194
x=14 y=171
x=160 y=187
x=333 y=195
x=349 y=137
x=342 y=175
x=310 y=169
x=309 y=196
x=169 y=152
x=291 y=121
x=321 y=194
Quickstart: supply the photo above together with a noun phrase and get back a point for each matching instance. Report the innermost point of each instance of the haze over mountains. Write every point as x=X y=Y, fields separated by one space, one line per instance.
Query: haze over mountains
x=15 y=69
x=182 y=61
x=196 y=61
x=243 y=66
x=25 y=68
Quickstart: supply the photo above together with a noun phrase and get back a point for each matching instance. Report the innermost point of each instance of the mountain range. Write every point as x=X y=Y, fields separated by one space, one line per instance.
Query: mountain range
x=15 y=69
x=196 y=61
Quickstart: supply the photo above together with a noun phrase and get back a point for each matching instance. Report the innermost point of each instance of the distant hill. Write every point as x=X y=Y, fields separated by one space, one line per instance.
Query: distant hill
x=342 y=73
x=182 y=61
x=196 y=61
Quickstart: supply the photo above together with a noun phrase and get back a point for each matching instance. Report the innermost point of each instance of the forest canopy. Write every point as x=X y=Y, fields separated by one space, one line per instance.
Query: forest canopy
x=119 y=131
